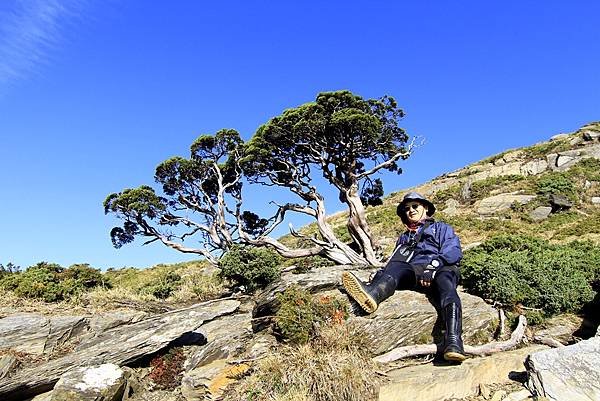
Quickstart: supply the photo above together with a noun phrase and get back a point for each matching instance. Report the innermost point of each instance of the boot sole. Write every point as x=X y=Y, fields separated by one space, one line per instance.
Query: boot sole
x=454 y=357
x=354 y=289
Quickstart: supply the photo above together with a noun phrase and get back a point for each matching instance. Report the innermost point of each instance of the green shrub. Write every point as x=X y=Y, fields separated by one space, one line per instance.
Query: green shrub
x=532 y=272
x=557 y=183
x=250 y=266
x=51 y=282
x=300 y=313
x=163 y=286
x=543 y=149
x=9 y=269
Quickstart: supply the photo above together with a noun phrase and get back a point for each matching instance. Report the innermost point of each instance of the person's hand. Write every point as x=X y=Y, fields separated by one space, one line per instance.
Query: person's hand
x=427 y=278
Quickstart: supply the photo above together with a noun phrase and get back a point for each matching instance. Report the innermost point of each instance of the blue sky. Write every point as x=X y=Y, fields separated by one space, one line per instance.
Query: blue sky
x=94 y=94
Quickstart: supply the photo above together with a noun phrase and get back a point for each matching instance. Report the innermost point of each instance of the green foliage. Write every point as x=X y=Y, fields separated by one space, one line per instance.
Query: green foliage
x=10 y=268
x=300 y=313
x=51 y=282
x=558 y=183
x=543 y=149
x=452 y=192
x=163 y=286
x=532 y=272
x=588 y=169
x=481 y=189
x=250 y=267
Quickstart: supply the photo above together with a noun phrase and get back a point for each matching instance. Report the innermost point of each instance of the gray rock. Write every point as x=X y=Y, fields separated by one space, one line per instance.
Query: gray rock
x=566 y=373
x=560 y=328
x=589 y=135
x=226 y=337
x=121 y=345
x=560 y=202
x=94 y=383
x=7 y=364
x=596 y=200
x=108 y=320
x=540 y=213
x=451 y=208
x=565 y=160
x=534 y=167
x=499 y=203
x=436 y=383
x=36 y=334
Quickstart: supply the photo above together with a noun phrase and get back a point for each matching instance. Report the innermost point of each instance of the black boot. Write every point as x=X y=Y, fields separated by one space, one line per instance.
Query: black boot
x=453 y=345
x=370 y=295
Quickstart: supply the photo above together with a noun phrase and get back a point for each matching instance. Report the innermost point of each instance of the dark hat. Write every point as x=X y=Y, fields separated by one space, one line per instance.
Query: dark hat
x=414 y=196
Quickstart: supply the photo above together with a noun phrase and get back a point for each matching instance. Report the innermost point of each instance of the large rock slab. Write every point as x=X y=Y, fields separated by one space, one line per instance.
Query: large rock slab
x=121 y=345
x=565 y=160
x=566 y=373
x=436 y=383
x=499 y=203
x=95 y=383
x=409 y=317
x=37 y=334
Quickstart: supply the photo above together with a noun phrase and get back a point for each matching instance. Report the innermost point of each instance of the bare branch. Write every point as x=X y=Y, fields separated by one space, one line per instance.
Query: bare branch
x=390 y=161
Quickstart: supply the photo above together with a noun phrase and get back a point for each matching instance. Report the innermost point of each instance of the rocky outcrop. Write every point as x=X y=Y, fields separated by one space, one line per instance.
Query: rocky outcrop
x=37 y=334
x=566 y=373
x=434 y=382
x=120 y=346
x=499 y=203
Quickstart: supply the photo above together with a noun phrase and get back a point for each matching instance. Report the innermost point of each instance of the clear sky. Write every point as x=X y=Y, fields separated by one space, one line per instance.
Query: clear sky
x=94 y=94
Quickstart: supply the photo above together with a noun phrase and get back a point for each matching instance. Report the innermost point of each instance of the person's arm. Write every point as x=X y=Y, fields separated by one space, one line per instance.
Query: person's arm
x=450 y=249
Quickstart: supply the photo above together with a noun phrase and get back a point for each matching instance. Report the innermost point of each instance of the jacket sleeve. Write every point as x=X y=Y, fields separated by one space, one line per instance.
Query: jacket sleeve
x=450 y=249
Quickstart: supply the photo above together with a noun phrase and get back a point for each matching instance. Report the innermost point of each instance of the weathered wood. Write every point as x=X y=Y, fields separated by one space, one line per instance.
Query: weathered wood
x=121 y=345
x=486 y=349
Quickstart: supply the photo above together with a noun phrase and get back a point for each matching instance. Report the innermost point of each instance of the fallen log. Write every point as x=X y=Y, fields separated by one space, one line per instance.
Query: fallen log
x=121 y=345
x=480 y=350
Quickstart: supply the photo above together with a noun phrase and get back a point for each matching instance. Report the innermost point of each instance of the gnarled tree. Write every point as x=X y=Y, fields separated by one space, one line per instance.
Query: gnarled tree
x=347 y=139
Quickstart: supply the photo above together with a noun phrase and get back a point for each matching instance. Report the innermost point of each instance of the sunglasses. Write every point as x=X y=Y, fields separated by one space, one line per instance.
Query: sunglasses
x=414 y=206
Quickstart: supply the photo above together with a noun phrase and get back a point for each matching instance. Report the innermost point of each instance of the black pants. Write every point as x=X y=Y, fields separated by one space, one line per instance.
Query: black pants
x=443 y=286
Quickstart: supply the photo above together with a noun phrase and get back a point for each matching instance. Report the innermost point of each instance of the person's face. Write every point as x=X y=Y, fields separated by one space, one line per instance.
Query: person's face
x=415 y=211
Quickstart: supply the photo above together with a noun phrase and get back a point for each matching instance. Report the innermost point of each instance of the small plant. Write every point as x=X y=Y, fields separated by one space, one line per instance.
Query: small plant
x=250 y=267
x=558 y=183
x=167 y=369
x=300 y=314
x=163 y=286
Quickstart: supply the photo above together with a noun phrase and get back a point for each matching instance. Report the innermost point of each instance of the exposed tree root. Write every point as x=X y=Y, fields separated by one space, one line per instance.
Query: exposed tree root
x=480 y=350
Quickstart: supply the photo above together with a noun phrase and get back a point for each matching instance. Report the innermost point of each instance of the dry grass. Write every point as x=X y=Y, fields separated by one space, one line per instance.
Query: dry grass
x=332 y=367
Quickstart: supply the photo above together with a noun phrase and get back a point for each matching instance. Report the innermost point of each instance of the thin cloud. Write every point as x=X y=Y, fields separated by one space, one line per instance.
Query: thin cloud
x=29 y=31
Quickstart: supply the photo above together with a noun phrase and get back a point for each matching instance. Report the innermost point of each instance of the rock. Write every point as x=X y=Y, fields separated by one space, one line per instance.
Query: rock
x=104 y=321
x=209 y=381
x=564 y=160
x=498 y=395
x=560 y=202
x=559 y=136
x=408 y=317
x=7 y=364
x=567 y=373
x=540 y=213
x=589 y=135
x=42 y=397
x=560 y=328
x=121 y=345
x=484 y=391
x=225 y=338
x=499 y=203
x=596 y=200
x=94 y=383
x=534 y=167
x=433 y=383
x=36 y=334
x=518 y=396
x=451 y=208
x=513 y=168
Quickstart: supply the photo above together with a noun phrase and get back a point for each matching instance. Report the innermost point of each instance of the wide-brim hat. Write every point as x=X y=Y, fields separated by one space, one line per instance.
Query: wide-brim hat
x=414 y=196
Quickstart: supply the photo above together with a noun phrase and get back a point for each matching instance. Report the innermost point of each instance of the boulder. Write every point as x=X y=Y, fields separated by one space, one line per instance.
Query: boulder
x=94 y=383
x=108 y=320
x=560 y=202
x=451 y=208
x=209 y=381
x=560 y=328
x=499 y=203
x=564 y=160
x=595 y=200
x=534 y=167
x=589 y=135
x=409 y=317
x=37 y=334
x=432 y=382
x=566 y=373
x=540 y=213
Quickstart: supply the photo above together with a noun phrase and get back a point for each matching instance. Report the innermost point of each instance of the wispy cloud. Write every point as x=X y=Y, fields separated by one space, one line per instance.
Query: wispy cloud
x=29 y=31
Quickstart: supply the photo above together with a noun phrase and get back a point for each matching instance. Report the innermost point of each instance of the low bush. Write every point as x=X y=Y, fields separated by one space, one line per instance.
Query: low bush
x=300 y=314
x=250 y=267
x=163 y=286
x=51 y=282
x=534 y=273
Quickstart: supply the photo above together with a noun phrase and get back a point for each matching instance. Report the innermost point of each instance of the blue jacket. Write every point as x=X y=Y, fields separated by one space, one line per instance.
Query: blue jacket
x=438 y=241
